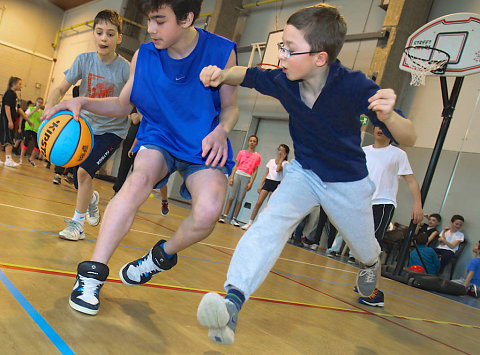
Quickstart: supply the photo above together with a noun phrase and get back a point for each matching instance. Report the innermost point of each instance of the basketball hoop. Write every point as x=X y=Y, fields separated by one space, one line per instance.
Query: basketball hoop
x=423 y=60
x=266 y=66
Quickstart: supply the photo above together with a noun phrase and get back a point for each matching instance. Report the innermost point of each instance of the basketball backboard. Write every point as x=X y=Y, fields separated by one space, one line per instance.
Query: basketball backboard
x=456 y=34
x=270 y=55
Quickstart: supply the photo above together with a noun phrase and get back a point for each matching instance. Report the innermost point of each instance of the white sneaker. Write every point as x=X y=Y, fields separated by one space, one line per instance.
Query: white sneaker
x=246 y=226
x=74 y=231
x=314 y=246
x=93 y=214
x=234 y=222
x=219 y=316
x=222 y=219
x=11 y=164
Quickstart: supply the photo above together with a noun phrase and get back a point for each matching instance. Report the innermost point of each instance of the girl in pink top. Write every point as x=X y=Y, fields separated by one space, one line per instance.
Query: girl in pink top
x=271 y=179
x=242 y=178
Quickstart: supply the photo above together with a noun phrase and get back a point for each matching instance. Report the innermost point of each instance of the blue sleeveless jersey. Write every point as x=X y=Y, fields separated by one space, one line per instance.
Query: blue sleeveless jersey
x=178 y=111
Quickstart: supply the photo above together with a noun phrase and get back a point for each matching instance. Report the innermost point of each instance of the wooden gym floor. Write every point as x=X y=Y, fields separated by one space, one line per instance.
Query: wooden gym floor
x=306 y=305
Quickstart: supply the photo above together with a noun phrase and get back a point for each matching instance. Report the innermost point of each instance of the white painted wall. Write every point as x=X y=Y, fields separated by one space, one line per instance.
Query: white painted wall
x=27 y=27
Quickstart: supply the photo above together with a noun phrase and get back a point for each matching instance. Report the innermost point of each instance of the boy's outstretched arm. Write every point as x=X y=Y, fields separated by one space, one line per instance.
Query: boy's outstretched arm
x=400 y=128
x=214 y=145
x=214 y=76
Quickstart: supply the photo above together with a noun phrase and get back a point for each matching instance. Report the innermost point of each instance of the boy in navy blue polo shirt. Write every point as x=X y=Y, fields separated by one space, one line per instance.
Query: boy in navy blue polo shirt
x=324 y=100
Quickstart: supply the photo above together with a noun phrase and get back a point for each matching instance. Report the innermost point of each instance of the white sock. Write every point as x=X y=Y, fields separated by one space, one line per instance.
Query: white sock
x=94 y=199
x=8 y=157
x=250 y=222
x=79 y=217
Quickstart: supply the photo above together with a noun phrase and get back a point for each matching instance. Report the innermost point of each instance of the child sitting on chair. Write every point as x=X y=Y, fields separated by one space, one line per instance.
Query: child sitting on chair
x=427 y=254
x=449 y=240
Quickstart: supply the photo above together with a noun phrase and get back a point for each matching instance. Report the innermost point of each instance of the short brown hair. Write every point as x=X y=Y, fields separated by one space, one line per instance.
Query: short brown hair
x=109 y=16
x=323 y=26
x=181 y=8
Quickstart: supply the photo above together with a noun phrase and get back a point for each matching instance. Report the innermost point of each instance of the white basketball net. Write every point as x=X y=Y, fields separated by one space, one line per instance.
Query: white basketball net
x=424 y=60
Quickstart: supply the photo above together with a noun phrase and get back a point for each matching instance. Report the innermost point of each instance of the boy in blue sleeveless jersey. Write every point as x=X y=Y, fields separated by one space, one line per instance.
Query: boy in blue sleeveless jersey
x=102 y=74
x=324 y=100
x=184 y=127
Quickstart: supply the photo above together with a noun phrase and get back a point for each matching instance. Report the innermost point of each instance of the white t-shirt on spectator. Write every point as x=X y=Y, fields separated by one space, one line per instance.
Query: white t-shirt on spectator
x=385 y=165
x=272 y=170
x=451 y=238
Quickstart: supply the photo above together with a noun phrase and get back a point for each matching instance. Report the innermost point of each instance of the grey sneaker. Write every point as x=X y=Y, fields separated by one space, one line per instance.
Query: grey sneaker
x=68 y=178
x=367 y=279
x=219 y=316
x=74 y=231
x=93 y=214
x=57 y=180
x=141 y=270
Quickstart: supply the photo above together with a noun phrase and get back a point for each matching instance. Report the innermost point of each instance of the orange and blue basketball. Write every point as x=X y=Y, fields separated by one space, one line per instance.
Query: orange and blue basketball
x=64 y=141
x=417 y=268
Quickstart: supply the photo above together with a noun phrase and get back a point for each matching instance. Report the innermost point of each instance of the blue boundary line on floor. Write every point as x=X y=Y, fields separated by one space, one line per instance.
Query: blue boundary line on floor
x=32 y=312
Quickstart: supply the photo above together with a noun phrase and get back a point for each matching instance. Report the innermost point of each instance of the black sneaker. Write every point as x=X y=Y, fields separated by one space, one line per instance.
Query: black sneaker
x=141 y=270
x=165 y=209
x=85 y=296
x=332 y=254
x=376 y=299
x=351 y=260
x=473 y=291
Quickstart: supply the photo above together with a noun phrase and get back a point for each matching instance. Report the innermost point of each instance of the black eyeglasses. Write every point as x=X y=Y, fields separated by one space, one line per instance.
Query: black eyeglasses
x=287 y=53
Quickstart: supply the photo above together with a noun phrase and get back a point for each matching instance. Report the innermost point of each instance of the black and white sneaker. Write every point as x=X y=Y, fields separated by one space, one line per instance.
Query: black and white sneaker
x=332 y=254
x=141 y=270
x=85 y=297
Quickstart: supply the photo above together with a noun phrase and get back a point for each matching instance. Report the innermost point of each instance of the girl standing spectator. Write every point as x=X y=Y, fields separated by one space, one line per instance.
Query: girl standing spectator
x=8 y=114
x=270 y=180
x=242 y=178
x=449 y=240
x=34 y=113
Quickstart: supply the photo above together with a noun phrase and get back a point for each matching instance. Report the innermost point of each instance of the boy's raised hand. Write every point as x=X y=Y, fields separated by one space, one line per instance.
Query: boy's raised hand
x=382 y=103
x=211 y=76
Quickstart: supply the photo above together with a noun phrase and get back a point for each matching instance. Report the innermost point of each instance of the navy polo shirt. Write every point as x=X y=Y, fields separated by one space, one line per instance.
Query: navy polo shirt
x=326 y=137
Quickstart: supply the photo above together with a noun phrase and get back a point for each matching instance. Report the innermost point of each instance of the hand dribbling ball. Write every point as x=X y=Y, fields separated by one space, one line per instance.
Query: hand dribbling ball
x=64 y=141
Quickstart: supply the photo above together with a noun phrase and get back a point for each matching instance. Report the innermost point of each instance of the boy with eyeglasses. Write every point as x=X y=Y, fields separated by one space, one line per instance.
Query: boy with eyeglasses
x=324 y=100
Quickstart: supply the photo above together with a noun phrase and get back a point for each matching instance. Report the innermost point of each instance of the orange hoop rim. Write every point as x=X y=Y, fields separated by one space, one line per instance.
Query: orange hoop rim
x=266 y=66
